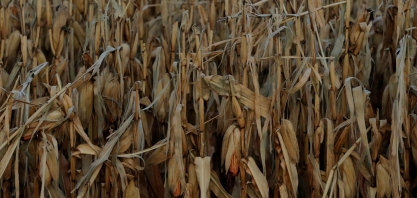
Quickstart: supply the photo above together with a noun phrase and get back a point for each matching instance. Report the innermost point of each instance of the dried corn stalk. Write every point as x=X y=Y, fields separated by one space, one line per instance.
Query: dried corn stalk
x=187 y=98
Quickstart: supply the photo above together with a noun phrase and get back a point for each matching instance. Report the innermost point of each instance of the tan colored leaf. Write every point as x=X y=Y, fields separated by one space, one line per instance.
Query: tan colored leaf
x=290 y=140
x=225 y=145
x=259 y=178
x=358 y=95
x=244 y=95
x=383 y=183
x=202 y=169
x=349 y=177
x=301 y=82
x=131 y=190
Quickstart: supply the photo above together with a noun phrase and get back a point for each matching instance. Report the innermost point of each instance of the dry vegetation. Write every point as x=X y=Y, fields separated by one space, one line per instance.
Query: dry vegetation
x=234 y=98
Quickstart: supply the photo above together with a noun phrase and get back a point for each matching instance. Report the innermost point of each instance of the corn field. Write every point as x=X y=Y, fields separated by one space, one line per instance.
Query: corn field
x=211 y=98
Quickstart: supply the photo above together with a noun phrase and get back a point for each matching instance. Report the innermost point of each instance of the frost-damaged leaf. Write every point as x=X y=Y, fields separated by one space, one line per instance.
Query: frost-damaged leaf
x=257 y=175
x=202 y=169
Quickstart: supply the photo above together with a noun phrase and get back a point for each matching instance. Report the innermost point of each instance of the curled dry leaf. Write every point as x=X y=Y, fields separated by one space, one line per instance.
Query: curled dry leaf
x=117 y=87
x=86 y=149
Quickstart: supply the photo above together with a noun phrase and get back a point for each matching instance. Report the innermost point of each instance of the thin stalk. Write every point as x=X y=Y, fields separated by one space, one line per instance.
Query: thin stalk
x=200 y=99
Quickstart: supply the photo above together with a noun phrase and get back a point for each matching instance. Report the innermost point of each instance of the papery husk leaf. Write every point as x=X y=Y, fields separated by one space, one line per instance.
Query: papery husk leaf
x=202 y=169
x=225 y=145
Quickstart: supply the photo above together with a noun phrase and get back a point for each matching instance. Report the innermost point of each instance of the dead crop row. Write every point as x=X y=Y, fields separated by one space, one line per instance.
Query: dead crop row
x=210 y=98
